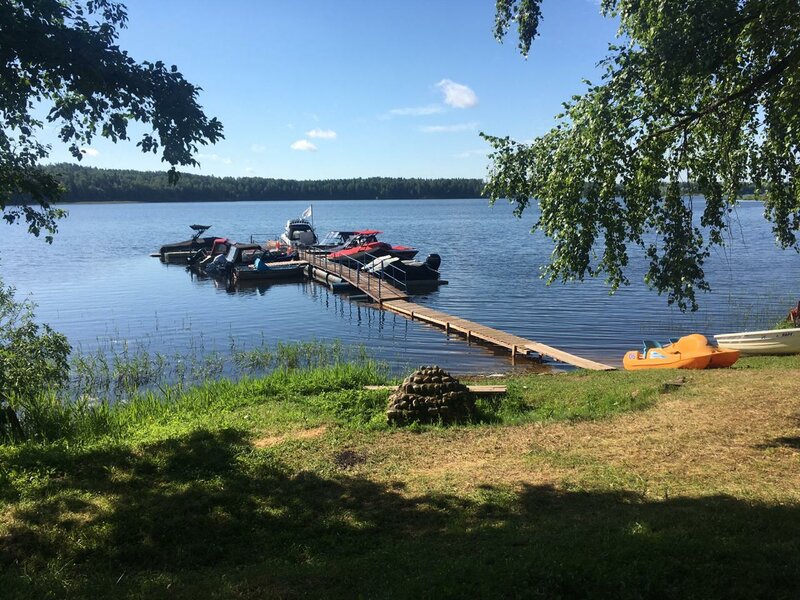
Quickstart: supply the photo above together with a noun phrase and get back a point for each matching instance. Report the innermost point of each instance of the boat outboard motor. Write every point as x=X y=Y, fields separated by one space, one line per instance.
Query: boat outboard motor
x=433 y=261
x=195 y=258
x=218 y=266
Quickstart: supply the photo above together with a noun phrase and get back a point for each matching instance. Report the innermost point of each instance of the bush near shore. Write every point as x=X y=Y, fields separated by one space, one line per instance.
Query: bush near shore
x=293 y=485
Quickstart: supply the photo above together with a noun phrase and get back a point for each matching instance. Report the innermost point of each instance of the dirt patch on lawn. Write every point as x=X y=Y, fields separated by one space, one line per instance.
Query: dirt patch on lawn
x=302 y=434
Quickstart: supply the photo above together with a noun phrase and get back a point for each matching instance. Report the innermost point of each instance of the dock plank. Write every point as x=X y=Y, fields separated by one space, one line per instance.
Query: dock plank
x=475 y=389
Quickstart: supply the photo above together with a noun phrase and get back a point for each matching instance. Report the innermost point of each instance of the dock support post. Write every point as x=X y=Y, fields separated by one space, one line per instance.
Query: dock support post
x=513 y=356
x=447 y=328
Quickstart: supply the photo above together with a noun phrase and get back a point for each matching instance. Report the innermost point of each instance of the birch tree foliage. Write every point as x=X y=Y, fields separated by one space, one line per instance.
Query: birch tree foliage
x=61 y=56
x=698 y=92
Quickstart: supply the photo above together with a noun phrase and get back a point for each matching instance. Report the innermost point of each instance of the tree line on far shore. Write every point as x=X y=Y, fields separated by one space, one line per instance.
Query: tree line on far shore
x=89 y=184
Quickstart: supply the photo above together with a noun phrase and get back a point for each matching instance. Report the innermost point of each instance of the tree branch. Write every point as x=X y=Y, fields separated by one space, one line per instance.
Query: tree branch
x=766 y=77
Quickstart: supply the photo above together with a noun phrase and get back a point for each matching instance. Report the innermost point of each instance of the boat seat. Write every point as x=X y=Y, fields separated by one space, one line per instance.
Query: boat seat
x=649 y=344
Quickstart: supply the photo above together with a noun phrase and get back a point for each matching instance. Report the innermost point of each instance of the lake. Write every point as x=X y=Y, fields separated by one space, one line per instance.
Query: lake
x=98 y=285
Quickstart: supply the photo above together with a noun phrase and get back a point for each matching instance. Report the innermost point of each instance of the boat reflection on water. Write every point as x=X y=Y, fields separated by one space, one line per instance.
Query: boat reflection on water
x=244 y=286
x=256 y=288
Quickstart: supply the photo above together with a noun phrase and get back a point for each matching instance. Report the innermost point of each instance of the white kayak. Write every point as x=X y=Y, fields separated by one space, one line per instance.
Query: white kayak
x=771 y=341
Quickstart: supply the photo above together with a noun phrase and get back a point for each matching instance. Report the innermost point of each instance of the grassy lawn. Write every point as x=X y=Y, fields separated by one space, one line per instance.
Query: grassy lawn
x=571 y=485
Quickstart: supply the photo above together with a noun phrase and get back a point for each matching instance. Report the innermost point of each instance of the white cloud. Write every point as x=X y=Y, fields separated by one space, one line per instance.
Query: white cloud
x=417 y=111
x=457 y=95
x=90 y=151
x=216 y=158
x=322 y=134
x=258 y=148
x=449 y=128
x=249 y=170
x=304 y=145
x=471 y=153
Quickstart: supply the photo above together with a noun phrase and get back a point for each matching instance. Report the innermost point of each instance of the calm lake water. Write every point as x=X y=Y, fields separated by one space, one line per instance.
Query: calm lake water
x=98 y=285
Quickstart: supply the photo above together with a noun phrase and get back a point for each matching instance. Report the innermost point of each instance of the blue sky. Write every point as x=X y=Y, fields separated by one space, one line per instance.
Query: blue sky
x=317 y=89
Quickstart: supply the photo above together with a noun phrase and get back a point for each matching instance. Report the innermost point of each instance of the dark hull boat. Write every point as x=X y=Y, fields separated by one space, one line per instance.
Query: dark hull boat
x=408 y=272
x=204 y=255
x=181 y=252
x=244 y=255
x=266 y=271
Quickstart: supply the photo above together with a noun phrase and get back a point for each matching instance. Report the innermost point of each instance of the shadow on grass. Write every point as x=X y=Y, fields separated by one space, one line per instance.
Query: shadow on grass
x=785 y=442
x=206 y=516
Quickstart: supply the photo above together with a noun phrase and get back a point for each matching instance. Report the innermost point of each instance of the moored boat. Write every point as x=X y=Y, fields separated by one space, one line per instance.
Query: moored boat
x=365 y=247
x=240 y=255
x=205 y=255
x=333 y=241
x=770 y=341
x=406 y=271
x=299 y=233
x=689 y=352
x=180 y=252
x=262 y=270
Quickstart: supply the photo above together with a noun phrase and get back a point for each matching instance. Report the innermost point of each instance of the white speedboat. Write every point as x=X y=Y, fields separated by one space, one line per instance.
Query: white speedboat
x=771 y=341
x=299 y=233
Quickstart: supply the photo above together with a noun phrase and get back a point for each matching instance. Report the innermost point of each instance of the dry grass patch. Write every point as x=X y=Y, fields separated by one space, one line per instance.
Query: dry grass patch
x=302 y=434
x=728 y=432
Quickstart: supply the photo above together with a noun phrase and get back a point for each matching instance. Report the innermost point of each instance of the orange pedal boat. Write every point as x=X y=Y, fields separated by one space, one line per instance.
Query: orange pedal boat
x=689 y=352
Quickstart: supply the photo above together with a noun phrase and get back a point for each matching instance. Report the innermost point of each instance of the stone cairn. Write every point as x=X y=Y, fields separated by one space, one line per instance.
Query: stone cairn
x=430 y=395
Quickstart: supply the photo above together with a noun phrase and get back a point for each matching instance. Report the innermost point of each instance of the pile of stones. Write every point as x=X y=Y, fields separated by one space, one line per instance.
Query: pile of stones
x=430 y=395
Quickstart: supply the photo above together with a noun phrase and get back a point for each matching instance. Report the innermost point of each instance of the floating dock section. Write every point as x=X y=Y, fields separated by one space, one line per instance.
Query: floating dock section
x=396 y=300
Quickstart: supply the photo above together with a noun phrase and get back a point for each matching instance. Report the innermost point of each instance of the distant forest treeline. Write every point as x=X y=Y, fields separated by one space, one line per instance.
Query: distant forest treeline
x=89 y=184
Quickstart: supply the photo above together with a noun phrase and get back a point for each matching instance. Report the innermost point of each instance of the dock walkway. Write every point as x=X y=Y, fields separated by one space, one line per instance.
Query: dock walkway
x=475 y=331
x=392 y=298
x=374 y=287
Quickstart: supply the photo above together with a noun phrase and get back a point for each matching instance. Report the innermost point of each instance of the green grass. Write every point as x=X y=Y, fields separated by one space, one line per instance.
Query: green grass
x=576 y=396
x=167 y=494
x=301 y=394
x=781 y=363
x=205 y=515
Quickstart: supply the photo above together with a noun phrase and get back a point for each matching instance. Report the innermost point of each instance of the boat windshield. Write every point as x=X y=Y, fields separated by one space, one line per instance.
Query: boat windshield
x=231 y=255
x=334 y=238
x=361 y=240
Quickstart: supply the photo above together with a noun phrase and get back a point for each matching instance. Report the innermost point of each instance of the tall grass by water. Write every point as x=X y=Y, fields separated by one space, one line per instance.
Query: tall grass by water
x=118 y=372
x=132 y=393
x=113 y=394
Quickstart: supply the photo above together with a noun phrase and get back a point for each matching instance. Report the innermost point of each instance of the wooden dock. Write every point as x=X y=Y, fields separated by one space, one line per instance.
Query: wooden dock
x=376 y=288
x=475 y=331
x=392 y=298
